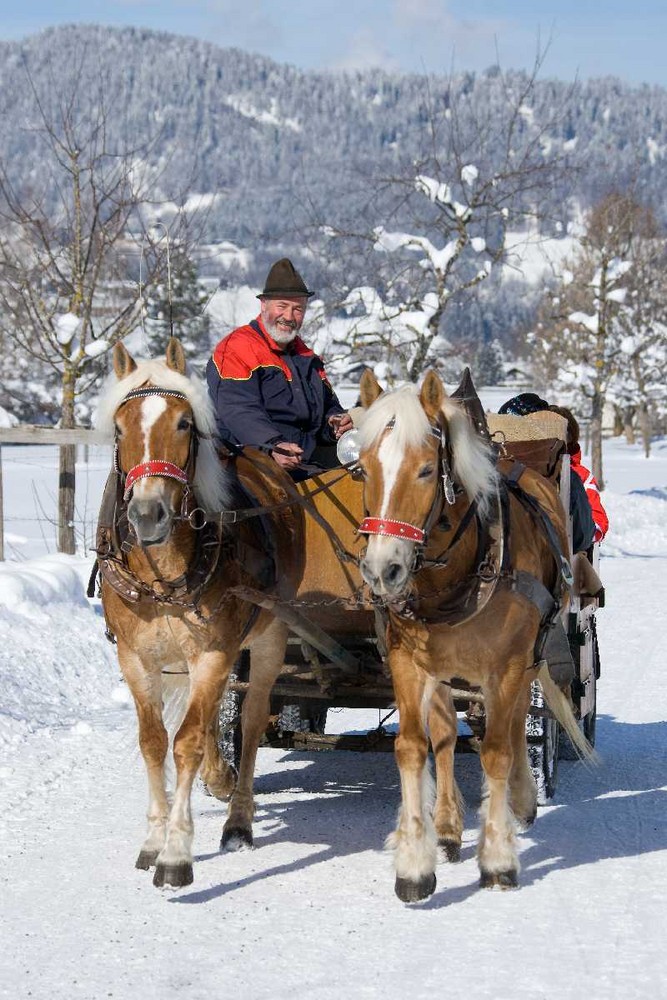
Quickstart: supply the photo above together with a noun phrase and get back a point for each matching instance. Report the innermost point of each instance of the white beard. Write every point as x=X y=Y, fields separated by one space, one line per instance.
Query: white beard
x=282 y=337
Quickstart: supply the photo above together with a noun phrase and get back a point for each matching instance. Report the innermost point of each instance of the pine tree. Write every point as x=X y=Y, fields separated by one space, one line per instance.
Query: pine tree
x=178 y=311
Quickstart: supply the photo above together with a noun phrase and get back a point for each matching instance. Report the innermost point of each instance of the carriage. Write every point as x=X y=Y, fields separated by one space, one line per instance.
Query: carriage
x=334 y=658
x=201 y=560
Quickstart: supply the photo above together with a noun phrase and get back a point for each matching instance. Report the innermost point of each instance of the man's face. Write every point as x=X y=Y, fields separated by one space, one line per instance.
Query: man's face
x=283 y=317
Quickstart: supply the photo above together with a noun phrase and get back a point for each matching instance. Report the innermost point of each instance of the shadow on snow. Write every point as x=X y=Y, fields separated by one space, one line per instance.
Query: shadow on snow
x=606 y=812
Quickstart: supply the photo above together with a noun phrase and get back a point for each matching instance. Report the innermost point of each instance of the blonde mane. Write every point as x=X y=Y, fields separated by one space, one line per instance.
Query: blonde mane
x=210 y=483
x=472 y=461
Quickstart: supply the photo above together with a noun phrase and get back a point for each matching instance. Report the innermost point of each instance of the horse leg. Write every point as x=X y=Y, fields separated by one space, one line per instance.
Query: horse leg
x=146 y=688
x=208 y=676
x=414 y=841
x=218 y=776
x=496 y=851
x=448 y=815
x=267 y=659
x=522 y=787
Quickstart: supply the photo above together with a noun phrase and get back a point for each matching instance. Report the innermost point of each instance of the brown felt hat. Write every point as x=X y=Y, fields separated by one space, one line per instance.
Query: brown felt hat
x=284 y=280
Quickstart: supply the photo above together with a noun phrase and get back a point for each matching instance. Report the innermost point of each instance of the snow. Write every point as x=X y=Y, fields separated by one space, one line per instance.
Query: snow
x=66 y=326
x=96 y=347
x=7 y=419
x=312 y=910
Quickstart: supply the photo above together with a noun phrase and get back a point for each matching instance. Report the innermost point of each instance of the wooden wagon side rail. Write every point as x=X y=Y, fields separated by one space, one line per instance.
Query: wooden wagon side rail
x=304 y=628
x=374 y=741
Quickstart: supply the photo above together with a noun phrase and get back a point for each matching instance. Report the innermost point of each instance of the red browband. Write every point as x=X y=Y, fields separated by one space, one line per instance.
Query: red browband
x=397 y=529
x=153 y=468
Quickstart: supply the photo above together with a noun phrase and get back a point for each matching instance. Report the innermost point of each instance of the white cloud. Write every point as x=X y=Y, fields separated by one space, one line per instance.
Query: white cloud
x=439 y=35
x=364 y=50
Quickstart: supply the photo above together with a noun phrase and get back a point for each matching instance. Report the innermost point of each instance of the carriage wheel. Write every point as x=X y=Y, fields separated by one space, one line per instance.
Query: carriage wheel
x=231 y=736
x=543 y=735
x=290 y=719
x=293 y=720
x=588 y=723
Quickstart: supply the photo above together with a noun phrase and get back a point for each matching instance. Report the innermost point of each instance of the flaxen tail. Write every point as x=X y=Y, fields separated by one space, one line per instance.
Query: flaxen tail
x=562 y=712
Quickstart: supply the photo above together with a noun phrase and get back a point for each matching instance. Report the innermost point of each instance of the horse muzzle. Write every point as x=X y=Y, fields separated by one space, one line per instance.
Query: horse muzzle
x=150 y=519
x=388 y=577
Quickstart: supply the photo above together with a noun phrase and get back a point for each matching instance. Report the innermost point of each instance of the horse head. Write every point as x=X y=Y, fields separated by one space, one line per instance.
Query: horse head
x=416 y=446
x=162 y=424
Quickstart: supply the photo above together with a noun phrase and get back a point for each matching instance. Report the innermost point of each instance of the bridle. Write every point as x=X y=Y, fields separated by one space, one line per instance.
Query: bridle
x=157 y=467
x=186 y=591
x=445 y=491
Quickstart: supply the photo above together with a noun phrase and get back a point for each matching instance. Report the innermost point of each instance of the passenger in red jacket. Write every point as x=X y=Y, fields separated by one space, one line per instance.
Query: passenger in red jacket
x=600 y=518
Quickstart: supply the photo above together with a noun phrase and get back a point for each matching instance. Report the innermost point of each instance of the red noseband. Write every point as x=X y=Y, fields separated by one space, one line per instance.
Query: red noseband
x=153 y=468
x=396 y=529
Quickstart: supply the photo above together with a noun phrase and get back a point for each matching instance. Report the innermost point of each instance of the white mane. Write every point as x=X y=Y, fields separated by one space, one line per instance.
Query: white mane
x=472 y=460
x=210 y=480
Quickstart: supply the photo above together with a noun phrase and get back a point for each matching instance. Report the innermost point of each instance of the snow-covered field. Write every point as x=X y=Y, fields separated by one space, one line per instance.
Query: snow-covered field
x=312 y=910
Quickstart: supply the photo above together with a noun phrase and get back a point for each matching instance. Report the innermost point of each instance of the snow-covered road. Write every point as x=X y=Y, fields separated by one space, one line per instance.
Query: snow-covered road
x=312 y=909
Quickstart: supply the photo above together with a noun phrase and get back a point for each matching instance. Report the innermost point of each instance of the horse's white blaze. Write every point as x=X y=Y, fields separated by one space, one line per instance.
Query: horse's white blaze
x=383 y=550
x=389 y=457
x=152 y=408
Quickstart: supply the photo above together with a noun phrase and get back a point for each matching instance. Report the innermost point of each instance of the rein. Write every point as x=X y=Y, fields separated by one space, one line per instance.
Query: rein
x=223 y=517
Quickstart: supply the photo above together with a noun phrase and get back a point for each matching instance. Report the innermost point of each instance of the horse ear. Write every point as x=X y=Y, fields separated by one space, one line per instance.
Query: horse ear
x=123 y=362
x=432 y=394
x=175 y=356
x=369 y=388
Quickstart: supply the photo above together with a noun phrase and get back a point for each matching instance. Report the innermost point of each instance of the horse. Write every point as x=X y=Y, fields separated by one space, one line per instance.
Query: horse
x=169 y=573
x=472 y=578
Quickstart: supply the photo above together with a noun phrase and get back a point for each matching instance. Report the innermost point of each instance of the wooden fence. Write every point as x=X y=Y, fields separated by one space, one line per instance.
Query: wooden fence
x=29 y=434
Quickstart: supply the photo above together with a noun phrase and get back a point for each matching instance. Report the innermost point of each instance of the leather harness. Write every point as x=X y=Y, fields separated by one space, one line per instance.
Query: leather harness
x=467 y=597
x=455 y=606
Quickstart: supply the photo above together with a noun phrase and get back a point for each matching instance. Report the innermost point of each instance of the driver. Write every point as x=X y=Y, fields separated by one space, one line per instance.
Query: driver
x=268 y=388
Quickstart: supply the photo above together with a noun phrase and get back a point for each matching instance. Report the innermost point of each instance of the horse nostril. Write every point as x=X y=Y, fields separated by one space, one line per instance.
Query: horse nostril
x=392 y=572
x=369 y=576
x=161 y=513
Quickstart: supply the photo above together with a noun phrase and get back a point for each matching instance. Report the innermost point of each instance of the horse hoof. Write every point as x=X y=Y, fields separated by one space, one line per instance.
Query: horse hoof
x=451 y=848
x=409 y=891
x=174 y=875
x=499 y=880
x=236 y=838
x=146 y=860
x=525 y=822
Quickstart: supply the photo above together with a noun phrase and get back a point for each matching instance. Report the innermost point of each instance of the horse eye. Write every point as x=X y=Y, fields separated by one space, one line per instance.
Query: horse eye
x=426 y=472
x=118 y=432
x=184 y=424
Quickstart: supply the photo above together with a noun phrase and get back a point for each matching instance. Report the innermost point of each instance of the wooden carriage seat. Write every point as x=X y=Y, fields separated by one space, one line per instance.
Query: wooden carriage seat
x=538 y=440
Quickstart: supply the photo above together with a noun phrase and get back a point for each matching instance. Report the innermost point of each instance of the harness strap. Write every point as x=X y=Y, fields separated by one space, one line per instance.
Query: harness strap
x=390 y=528
x=155 y=467
x=546 y=601
x=234 y=516
x=539 y=515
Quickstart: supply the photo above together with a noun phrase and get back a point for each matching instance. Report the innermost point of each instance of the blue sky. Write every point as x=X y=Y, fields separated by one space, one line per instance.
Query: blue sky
x=588 y=38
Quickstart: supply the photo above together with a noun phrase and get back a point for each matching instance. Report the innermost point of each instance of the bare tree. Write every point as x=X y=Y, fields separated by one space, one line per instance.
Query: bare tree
x=596 y=326
x=481 y=175
x=70 y=248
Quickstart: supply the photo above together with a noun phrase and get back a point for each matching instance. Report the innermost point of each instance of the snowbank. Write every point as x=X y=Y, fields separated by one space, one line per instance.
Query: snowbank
x=56 y=667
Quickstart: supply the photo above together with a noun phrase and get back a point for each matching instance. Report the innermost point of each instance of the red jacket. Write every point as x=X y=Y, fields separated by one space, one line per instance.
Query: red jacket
x=593 y=493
